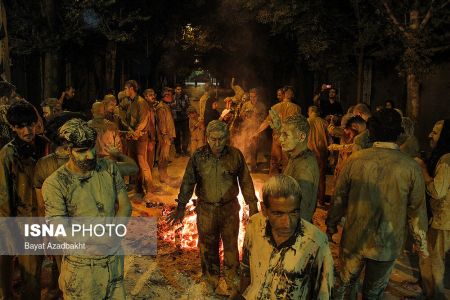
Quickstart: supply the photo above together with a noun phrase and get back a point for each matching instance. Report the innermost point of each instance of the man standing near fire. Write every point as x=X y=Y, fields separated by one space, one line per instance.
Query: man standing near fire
x=216 y=171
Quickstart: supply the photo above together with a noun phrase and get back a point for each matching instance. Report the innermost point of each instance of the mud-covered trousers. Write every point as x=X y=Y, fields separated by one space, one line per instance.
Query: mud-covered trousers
x=432 y=268
x=278 y=159
x=30 y=270
x=376 y=277
x=92 y=279
x=216 y=222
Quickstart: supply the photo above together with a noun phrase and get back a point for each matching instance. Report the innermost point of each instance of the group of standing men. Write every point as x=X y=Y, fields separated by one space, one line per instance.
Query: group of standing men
x=379 y=190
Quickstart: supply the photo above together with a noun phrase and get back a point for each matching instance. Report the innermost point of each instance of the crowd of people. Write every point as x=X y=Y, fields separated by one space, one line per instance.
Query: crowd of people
x=60 y=164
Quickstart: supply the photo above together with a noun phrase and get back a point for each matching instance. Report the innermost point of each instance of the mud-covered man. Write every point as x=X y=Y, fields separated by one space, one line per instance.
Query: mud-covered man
x=284 y=257
x=17 y=197
x=302 y=163
x=87 y=187
x=380 y=191
x=216 y=171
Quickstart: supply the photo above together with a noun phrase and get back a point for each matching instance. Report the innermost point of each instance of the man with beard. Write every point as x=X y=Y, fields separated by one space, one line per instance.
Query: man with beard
x=17 y=199
x=438 y=187
x=216 y=171
x=87 y=187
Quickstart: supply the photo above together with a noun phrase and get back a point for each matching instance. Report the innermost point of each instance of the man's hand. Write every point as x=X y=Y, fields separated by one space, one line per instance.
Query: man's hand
x=114 y=152
x=176 y=216
x=330 y=232
x=275 y=122
x=420 y=162
x=335 y=147
x=252 y=209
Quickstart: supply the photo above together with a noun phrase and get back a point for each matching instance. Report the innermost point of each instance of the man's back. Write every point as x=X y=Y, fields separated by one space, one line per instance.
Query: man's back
x=377 y=190
x=286 y=109
x=166 y=125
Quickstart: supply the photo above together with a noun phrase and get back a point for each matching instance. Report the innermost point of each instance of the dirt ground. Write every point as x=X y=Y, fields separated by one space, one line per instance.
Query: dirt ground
x=175 y=274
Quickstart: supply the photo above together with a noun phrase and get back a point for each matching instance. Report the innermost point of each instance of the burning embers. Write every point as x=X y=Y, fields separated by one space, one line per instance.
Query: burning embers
x=185 y=235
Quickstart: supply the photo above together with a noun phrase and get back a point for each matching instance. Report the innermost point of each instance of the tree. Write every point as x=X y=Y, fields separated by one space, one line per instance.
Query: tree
x=420 y=38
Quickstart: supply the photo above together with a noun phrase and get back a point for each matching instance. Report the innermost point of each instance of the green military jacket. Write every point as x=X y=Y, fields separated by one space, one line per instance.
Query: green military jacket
x=217 y=179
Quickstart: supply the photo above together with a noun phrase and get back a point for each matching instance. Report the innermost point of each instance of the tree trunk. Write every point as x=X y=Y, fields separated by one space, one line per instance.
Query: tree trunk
x=412 y=83
x=51 y=75
x=360 y=83
x=4 y=47
x=51 y=72
x=110 y=64
x=413 y=96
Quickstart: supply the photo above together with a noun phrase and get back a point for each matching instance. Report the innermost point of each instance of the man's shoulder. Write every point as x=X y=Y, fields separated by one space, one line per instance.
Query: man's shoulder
x=445 y=159
x=8 y=149
x=401 y=159
x=46 y=159
x=311 y=231
x=257 y=221
x=233 y=150
x=61 y=177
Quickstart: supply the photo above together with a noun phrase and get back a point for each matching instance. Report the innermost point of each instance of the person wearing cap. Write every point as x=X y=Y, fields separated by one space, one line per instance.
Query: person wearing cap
x=87 y=186
x=17 y=197
x=197 y=132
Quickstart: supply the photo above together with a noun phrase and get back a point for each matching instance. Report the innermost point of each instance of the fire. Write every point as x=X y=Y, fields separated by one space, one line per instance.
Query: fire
x=185 y=235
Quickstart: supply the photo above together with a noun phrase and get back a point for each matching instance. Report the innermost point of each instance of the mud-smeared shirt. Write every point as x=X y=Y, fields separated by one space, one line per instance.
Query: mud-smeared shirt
x=137 y=115
x=164 y=119
x=94 y=194
x=46 y=166
x=439 y=190
x=304 y=169
x=300 y=268
x=361 y=141
x=17 y=164
x=380 y=191
x=217 y=179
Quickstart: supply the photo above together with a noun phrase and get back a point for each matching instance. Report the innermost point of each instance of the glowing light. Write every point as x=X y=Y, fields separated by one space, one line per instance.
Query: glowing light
x=185 y=235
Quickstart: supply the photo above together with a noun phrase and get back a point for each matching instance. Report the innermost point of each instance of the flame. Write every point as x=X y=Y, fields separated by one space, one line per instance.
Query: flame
x=185 y=235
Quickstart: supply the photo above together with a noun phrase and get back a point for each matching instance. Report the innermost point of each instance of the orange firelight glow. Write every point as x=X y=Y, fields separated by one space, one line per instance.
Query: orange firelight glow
x=185 y=235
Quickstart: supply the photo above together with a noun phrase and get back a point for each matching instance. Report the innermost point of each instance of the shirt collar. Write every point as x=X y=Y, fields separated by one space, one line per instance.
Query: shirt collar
x=386 y=145
x=297 y=153
x=224 y=151
x=289 y=242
